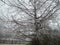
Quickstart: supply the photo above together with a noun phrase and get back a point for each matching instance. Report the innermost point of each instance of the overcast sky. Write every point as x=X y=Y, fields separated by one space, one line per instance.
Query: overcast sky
x=54 y=24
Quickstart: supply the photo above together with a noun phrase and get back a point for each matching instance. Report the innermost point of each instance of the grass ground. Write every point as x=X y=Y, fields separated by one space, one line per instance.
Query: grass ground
x=12 y=44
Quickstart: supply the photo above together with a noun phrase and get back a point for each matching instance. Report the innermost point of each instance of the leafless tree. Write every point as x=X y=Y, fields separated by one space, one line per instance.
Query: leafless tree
x=31 y=15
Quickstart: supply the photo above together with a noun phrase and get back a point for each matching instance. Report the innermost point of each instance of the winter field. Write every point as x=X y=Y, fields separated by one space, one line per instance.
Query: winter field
x=12 y=44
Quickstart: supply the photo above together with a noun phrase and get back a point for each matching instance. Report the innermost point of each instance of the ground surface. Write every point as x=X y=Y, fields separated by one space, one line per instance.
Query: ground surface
x=12 y=44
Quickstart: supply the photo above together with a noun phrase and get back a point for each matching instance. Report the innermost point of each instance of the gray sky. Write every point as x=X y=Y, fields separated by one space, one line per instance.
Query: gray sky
x=54 y=24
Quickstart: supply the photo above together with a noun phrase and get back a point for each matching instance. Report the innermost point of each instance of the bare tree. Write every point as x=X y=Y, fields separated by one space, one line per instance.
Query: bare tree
x=31 y=15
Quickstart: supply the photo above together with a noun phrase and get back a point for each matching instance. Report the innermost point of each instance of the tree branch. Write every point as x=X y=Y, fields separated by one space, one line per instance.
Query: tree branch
x=23 y=33
x=25 y=7
x=45 y=10
x=24 y=10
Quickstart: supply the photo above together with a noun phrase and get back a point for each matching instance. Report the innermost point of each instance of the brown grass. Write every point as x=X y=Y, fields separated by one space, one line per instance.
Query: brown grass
x=12 y=44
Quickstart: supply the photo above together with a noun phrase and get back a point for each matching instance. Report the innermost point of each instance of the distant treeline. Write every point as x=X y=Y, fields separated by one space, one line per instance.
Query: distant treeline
x=45 y=40
x=11 y=42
